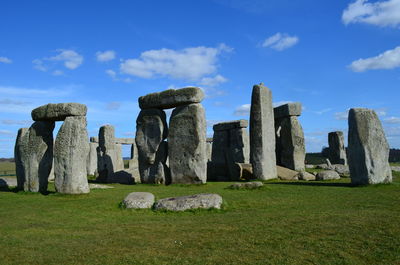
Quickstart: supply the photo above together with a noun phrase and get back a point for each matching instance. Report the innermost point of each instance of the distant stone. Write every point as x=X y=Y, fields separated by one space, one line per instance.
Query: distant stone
x=187 y=145
x=8 y=182
x=322 y=166
x=93 y=186
x=34 y=156
x=304 y=175
x=222 y=126
x=245 y=171
x=247 y=185
x=337 y=151
x=91 y=167
x=368 y=148
x=58 y=112
x=125 y=141
x=310 y=166
x=327 y=175
x=139 y=200
x=198 y=201
x=262 y=134
x=287 y=174
x=395 y=168
x=341 y=169
x=171 y=98
x=286 y=110
x=71 y=150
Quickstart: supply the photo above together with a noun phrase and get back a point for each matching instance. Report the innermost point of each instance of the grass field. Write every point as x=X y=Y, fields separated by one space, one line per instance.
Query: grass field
x=282 y=223
x=7 y=168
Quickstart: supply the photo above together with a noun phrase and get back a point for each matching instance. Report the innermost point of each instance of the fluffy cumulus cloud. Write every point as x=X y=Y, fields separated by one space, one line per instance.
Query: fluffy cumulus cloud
x=5 y=60
x=105 y=56
x=280 y=41
x=213 y=81
x=189 y=64
x=388 y=60
x=69 y=58
x=380 y=13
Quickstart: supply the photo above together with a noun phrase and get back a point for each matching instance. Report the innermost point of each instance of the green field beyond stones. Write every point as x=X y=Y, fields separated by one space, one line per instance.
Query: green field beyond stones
x=283 y=222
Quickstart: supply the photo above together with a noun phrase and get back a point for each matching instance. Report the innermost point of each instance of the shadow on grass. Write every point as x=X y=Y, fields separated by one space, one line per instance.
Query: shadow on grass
x=16 y=190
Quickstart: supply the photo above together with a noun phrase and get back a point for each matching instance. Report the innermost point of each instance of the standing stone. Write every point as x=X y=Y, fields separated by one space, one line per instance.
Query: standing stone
x=151 y=130
x=109 y=155
x=34 y=156
x=134 y=163
x=209 y=142
x=187 y=144
x=70 y=156
x=262 y=134
x=92 y=159
x=290 y=144
x=368 y=148
x=337 y=151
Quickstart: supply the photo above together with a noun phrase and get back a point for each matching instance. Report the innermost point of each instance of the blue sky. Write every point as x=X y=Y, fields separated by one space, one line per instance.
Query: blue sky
x=329 y=55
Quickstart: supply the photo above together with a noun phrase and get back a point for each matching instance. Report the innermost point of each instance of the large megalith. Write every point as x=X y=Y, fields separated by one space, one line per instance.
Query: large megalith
x=368 y=148
x=171 y=98
x=290 y=144
x=91 y=166
x=187 y=145
x=58 y=112
x=109 y=159
x=262 y=134
x=34 y=156
x=151 y=130
x=70 y=156
x=337 y=151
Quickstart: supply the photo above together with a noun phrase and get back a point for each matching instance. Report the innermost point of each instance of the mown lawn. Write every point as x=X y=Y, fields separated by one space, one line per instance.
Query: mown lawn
x=281 y=223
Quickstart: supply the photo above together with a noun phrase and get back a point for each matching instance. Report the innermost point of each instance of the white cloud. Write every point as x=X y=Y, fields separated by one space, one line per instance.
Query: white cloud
x=190 y=64
x=5 y=60
x=320 y=112
x=6 y=132
x=392 y=120
x=113 y=105
x=70 y=58
x=279 y=103
x=57 y=73
x=39 y=65
x=243 y=110
x=380 y=13
x=280 y=41
x=105 y=56
x=111 y=73
x=388 y=60
x=12 y=102
x=213 y=81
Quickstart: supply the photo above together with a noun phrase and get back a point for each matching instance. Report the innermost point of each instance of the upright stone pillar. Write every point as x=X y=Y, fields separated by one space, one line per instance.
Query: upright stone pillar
x=70 y=156
x=337 y=151
x=92 y=159
x=34 y=156
x=187 y=144
x=290 y=145
x=368 y=148
x=262 y=134
x=151 y=130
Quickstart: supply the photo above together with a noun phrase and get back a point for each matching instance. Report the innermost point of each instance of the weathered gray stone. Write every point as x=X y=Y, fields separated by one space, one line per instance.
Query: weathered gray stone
x=92 y=158
x=244 y=171
x=337 y=151
x=209 y=150
x=368 y=148
x=125 y=141
x=247 y=185
x=8 y=182
x=310 y=166
x=303 y=175
x=187 y=145
x=328 y=163
x=58 y=112
x=171 y=98
x=327 y=175
x=34 y=156
x=51 y=175
x=394 y=168
x=133 y=168
x=157 y=172
x=71 y=151
x=342 y=170
x=224 y=126
x=286 y=173
x=94 y=186
x=139 y=200
x=109 y=156
x=322 y=166
x=290 y=144
x=286 y=110
x=198 y=201
x=262 y=134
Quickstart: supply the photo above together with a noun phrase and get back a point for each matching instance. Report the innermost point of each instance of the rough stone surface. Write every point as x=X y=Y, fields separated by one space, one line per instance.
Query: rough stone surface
x=341 y=169
x=368 y=148
x=290 y=144
x=139 y=200
x=310 y=166
x=109 y=157
x=247 y=185
x=209 y=150
x=262 y=134
x=286 y=173
x=126 y=141
x=187 y=145
x=171 y=98
x=34 y=156
x=94 y=186
x=327 y=175
x=223 y=126
x=70 y=157
x=91 y=167
x=157 y=172
x=286 y=110
x=337 y=151
x=198 y=201
x=395 y=168
x=58 y=112
x=303 y=175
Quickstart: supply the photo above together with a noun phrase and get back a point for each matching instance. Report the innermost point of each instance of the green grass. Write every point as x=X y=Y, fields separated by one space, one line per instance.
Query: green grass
x=281 y=223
